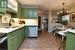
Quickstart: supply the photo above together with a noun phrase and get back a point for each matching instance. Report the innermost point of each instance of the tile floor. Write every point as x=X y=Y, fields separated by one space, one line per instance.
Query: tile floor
x=46 y=41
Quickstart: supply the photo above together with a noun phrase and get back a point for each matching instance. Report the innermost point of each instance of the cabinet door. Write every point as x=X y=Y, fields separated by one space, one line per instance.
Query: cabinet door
x=15 y=38
x=30 y=13
x=33 y=31
x=26 y=31
x=3 y=6
x=36 y=14
x=25 y=13
x=33 y=13
x=23 y=33
x=10 y=41
x=0 y=3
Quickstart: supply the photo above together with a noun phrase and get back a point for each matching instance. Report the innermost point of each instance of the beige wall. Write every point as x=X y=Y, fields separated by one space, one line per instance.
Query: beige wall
x=54 y=16
x=72 y=9
x=2 y=24
x=49 y=22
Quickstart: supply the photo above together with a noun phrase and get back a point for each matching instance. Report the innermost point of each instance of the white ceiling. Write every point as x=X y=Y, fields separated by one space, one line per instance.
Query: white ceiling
x=49 y=4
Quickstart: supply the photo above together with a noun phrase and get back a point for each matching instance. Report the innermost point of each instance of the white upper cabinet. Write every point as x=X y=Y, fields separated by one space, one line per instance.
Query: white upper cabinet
x=12 y=4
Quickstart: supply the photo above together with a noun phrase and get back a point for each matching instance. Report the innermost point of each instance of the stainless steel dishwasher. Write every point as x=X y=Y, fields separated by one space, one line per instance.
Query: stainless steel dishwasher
x=33 y=31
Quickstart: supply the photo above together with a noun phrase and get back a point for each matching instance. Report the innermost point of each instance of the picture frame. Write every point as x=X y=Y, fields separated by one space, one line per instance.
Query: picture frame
x=72 y=17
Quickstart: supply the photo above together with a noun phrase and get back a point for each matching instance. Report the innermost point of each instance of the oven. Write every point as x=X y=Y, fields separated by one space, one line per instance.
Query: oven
x=3 y=41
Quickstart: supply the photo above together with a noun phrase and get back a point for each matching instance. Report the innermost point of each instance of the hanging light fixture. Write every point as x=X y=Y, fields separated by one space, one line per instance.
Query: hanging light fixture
x=63 y=11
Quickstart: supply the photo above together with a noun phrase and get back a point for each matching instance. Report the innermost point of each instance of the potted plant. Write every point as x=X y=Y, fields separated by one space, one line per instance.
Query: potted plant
x=65 y=22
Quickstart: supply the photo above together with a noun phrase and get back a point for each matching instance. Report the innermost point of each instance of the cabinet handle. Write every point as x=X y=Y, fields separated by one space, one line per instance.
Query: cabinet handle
x=11 y=34
x=11 y=39
x=12 y=45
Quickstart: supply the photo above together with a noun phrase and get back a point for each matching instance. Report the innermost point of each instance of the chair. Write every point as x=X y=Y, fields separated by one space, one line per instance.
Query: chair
x=63 y=34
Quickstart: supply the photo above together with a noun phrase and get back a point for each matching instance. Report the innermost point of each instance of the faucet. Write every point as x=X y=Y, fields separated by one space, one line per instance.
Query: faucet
x=10 y=22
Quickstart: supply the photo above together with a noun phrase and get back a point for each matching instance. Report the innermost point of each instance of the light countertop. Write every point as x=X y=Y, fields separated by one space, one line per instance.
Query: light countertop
x=8 y=30
x=71 y=30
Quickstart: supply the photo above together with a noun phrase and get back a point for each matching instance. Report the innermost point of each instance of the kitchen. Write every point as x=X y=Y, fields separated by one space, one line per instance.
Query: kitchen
x=30 y=25
x=12 y=23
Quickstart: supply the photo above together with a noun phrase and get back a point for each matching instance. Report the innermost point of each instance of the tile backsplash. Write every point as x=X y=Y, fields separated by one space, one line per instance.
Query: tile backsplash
x=31 y=21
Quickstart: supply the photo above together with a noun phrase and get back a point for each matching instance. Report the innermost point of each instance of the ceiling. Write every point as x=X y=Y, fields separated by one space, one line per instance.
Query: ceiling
x=53 y=5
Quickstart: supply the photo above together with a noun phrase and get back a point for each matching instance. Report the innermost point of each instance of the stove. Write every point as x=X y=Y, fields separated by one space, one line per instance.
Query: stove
x=2 y=35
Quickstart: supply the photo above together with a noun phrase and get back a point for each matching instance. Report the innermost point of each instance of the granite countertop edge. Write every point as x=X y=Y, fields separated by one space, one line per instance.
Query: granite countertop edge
x=8 y=30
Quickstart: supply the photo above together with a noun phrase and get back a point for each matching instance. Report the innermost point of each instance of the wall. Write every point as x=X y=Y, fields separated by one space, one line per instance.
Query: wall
x=43 y=14
x=2 y=24
x=54 y=16
x=31 y=22
x=72 y=24
x=72 y=9
x=49 y=22
x=6 y=18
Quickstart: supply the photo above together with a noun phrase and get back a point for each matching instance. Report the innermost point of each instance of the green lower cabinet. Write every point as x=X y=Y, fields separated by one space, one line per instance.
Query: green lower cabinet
x=15 y=38
x=10 y=41
x=70 y=42
x=26 y=31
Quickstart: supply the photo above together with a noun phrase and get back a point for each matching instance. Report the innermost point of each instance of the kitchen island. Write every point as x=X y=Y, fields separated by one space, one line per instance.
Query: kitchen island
x=70 y=42
x=15 y=36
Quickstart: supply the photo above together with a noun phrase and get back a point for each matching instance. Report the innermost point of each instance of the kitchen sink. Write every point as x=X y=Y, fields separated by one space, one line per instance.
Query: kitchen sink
x=7 y=27
x=11 y=27
x=14 y=26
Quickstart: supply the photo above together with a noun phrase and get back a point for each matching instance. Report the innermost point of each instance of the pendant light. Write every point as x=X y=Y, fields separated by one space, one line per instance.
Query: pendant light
x=63 y=11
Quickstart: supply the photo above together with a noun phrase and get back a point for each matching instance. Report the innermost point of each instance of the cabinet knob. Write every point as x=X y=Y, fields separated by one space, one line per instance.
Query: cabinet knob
x=11 y=34
x=12 y=45
x=11 y=39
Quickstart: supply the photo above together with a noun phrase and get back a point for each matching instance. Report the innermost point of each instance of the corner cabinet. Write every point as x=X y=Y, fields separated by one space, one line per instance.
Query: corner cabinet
x=7 y=5
x=70 y=42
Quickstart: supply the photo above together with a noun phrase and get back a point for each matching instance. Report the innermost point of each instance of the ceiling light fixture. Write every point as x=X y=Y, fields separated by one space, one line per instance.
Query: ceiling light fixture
x=63 y=11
